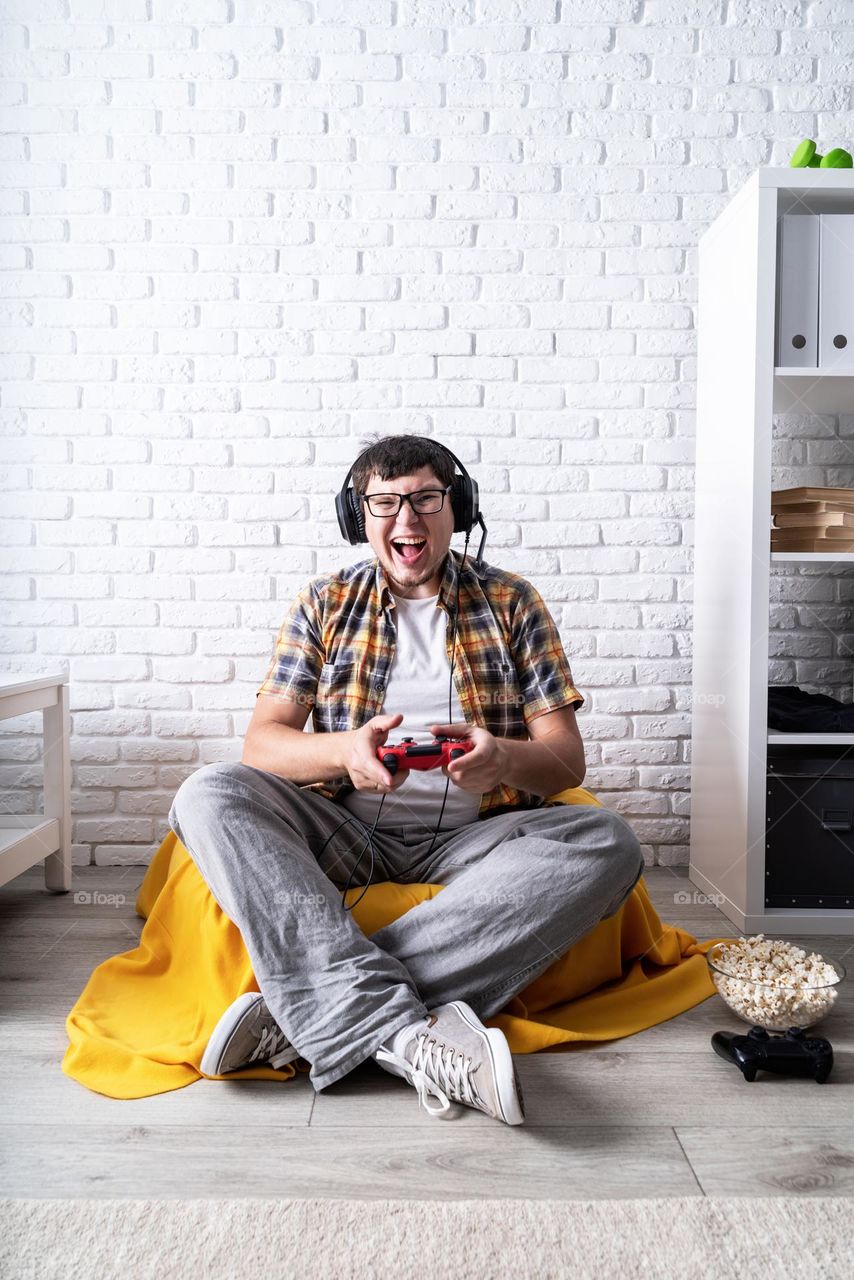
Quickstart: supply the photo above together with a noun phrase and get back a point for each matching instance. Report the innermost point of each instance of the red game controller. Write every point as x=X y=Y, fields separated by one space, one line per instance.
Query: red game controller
x=408 y=755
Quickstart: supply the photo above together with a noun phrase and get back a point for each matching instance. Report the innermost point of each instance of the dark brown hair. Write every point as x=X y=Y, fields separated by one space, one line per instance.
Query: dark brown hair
x=391 y=456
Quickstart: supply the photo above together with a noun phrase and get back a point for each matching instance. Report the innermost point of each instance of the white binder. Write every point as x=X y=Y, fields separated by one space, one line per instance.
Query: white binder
x=797 y=292
x=836 y=292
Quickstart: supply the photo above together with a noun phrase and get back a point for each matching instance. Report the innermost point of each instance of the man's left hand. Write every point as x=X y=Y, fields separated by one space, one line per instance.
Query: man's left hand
x=478 y=770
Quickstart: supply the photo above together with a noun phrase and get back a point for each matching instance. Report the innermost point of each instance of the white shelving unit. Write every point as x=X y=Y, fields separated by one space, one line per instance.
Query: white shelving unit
x=738 y=391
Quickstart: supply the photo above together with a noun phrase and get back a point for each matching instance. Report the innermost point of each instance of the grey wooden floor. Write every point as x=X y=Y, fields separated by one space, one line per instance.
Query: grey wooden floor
x=654 y=1114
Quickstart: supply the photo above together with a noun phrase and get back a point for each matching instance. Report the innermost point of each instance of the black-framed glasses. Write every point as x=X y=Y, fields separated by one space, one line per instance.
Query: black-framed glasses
x=426 y=502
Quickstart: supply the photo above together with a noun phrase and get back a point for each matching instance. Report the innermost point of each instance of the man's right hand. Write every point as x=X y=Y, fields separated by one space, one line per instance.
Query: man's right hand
x=366 y=772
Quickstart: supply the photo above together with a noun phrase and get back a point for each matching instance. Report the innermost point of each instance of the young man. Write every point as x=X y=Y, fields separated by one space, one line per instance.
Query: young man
x=420 y=640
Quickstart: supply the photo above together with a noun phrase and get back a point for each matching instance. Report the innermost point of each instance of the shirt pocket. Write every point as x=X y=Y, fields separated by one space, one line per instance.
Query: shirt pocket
x=337 y=693
x=495 y=681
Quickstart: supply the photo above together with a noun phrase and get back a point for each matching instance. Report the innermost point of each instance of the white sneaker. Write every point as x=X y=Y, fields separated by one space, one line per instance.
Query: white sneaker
x=456 y=1058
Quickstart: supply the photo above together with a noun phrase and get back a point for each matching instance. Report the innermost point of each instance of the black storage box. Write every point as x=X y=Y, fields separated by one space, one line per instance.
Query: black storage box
x=809 y=827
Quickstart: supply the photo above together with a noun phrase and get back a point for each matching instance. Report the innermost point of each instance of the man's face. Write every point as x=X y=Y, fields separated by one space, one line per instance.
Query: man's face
x=411 y=572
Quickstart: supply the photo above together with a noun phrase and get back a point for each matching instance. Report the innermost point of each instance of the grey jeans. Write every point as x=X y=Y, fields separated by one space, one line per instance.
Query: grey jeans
x=521 y=888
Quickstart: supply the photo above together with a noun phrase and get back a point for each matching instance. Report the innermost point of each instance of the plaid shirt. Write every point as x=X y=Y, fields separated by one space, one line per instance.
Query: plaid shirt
x=336 y=645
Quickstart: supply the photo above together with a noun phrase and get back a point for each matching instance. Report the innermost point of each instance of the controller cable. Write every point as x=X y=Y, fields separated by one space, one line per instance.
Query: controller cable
x=353 y=819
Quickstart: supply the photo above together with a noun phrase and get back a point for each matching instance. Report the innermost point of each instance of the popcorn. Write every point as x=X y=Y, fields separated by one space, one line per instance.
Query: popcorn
x=772 y=983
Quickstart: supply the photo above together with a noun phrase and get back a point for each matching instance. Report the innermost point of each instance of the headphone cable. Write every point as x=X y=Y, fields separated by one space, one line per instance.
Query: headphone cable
x=369 y=841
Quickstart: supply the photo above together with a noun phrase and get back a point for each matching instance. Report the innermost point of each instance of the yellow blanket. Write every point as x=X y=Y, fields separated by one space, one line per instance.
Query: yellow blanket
x=142 y=1022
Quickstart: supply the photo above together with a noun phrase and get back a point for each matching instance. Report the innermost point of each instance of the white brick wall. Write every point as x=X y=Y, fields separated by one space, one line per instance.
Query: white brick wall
x=238 y=236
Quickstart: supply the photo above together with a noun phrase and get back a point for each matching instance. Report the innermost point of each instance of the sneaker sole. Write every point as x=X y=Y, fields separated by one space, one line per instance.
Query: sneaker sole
x=509 y=1090
x=223 y=1033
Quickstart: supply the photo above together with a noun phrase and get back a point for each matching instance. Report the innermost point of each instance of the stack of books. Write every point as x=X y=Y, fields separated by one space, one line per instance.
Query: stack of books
x=812 y=520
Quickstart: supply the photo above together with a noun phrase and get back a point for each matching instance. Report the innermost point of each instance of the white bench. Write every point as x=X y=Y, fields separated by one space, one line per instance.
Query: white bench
x=26 y=838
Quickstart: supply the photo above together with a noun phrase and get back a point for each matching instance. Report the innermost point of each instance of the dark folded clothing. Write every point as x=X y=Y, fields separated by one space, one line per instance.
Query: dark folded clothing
x=793 y=710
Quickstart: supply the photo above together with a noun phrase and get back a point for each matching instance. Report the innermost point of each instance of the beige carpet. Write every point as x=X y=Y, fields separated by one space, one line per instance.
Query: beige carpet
x=652 y=1239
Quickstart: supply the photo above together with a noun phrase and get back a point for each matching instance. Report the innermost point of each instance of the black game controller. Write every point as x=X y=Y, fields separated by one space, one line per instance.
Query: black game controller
x=789 y=1054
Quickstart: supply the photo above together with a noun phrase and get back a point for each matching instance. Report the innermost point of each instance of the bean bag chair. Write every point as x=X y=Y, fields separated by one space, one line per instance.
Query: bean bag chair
x=143 y=1020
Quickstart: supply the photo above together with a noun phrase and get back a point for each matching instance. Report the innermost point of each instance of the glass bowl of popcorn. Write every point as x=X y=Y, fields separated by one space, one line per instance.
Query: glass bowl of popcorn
x=774 y=984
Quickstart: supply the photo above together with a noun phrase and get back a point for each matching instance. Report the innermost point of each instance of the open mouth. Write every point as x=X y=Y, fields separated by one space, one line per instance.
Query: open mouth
x=409 y=550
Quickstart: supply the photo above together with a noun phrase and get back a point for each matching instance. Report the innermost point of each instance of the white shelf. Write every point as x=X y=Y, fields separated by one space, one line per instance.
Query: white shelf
x=813 y=390
x=799 y=371
x=776 y=922
x=739 y=389
x=26 y=838
x=812 y=557
x=810 y=739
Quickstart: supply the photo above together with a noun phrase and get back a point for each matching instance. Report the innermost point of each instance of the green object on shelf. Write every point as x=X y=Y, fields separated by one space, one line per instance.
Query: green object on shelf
x=837 y=159
x=805 y=156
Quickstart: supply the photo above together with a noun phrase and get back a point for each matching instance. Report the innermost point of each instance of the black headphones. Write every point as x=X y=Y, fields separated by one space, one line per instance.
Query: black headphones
x=464 y=503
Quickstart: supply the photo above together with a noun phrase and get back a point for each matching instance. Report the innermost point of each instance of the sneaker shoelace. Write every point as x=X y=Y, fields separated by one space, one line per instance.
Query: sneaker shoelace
x=438 y=1070
x=273 y=1047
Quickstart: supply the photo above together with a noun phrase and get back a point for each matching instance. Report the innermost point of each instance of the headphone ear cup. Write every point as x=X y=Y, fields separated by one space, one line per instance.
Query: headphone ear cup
x=474 y=500
x=350 y=522
x=341 y=514
x=356 y=515
x=461 y=500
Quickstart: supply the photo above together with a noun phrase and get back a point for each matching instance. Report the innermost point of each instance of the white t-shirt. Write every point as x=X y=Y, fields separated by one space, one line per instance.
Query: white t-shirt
x=417 y=687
